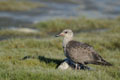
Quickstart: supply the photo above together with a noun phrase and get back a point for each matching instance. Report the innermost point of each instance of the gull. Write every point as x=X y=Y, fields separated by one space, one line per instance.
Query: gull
x=80 y=53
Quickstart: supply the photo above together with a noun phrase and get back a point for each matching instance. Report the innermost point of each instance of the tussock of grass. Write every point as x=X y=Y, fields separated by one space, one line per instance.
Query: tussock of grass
x=34 y=59
x=13 y=5
x=77 y=25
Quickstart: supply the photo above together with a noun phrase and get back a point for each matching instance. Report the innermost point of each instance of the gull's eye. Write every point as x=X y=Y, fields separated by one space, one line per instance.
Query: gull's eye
x=66 y=32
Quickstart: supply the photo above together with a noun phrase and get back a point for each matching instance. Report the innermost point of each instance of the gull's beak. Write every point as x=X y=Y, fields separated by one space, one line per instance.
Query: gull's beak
x=61 y=34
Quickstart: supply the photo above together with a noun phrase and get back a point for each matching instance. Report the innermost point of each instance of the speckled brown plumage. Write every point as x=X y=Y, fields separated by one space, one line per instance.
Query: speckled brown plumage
x=83 y=53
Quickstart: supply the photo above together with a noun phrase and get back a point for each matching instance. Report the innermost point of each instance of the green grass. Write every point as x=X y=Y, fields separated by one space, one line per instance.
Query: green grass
x=46 y=53
x=77 y=25
x=12 y=5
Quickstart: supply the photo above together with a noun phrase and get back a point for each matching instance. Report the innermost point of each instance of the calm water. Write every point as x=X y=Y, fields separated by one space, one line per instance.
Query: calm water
x=87 y=8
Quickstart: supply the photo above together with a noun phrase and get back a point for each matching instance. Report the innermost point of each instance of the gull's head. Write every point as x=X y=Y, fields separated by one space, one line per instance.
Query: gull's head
x=66 y=33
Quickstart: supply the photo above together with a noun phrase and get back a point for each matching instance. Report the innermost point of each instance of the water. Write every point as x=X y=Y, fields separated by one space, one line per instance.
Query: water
x=87 y=8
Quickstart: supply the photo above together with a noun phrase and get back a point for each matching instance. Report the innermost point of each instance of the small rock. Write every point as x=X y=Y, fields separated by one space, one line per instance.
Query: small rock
x=64 y=65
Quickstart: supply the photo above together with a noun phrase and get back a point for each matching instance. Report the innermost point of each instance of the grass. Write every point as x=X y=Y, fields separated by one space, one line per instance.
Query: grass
x=13 y=5
x=44 y=54
x=77 y=25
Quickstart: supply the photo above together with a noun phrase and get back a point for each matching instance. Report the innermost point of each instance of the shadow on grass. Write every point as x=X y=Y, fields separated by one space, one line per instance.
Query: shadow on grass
x=44 y=59
x=56 y=61
x=49 y=60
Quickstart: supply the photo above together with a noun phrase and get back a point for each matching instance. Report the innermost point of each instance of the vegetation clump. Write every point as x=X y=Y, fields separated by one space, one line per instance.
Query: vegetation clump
x=13 y=5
